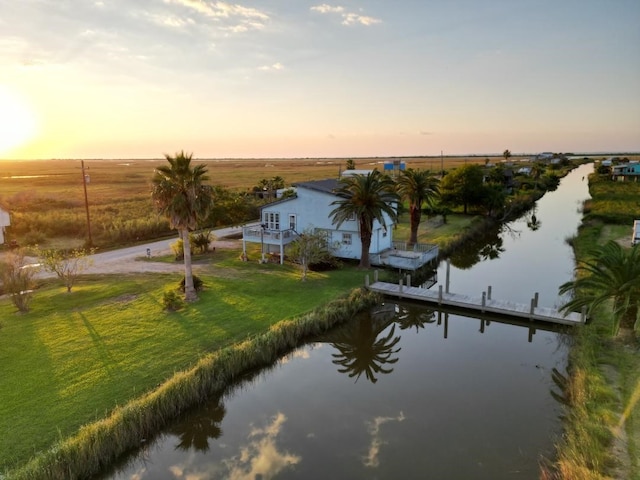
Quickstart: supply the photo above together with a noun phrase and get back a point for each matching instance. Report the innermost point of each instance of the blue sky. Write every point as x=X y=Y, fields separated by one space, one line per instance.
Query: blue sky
x=136 y=79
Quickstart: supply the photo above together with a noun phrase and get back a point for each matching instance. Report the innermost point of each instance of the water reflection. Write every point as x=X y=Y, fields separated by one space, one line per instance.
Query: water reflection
x=359 y=348
x=372 y=459
x=409 y=318
x=484 y=247
x=260 y=458
x=533 y=222
x=195 y=430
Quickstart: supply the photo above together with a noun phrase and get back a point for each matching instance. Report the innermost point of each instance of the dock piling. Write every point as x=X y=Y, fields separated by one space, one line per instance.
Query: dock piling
x=439 y=294
x=533 y=307
x=535 y=297
x=484 y=301
x=366 y=281
x=448 y=276
x=489 y=292
x=375 y=275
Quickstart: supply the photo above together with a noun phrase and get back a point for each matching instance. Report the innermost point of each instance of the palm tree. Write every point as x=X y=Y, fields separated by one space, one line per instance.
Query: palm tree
x=179 y=193
x=613 y=274
x=367 y=198
x=417 y=187
x=506 y=154
x=536 y=172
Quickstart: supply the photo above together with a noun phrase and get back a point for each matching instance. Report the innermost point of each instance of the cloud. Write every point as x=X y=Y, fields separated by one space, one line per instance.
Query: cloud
x=348 y=18
x=371 y=459
x=261 y=458
x=271 y=68
x=353 y=18
x=422 y=132
x=248 y=18
x=324 y=8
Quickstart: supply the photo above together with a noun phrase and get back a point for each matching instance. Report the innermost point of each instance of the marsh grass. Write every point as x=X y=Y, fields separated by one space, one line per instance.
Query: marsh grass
x=47 y=202
x=602 y=427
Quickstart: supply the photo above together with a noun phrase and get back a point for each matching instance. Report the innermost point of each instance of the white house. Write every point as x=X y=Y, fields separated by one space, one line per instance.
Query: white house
x=4 y=222
x=284 y=220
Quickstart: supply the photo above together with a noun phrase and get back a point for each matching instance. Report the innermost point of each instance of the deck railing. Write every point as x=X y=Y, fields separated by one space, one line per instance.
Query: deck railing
x=267 y=235
x=416 y=247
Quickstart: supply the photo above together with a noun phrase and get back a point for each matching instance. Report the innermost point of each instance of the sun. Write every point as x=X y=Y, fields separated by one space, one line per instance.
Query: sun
x=17 y=121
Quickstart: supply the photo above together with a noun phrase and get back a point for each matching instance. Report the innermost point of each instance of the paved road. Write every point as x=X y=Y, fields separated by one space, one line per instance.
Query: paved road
x=161 y=247
x=123 y=260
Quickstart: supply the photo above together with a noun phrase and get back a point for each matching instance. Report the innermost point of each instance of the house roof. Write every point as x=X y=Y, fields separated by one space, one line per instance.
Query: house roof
x=326 y=186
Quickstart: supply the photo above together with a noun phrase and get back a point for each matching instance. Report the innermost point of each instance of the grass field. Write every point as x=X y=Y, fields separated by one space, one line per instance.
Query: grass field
x=47 y=204
x=75 y=356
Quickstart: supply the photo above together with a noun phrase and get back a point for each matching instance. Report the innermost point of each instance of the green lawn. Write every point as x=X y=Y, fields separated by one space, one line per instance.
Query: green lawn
x=75 y=356
x=433 y=231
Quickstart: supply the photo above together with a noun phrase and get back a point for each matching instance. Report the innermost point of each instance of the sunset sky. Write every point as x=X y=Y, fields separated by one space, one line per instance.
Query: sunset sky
x=297 y=78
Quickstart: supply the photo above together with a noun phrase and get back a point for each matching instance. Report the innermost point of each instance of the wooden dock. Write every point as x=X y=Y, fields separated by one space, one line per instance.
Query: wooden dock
x=484 y=303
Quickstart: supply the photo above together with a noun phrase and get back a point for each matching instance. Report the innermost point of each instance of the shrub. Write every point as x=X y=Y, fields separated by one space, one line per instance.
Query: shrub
x=178 y=249
x=172 y=301
x=200 y=241
x=197 y=284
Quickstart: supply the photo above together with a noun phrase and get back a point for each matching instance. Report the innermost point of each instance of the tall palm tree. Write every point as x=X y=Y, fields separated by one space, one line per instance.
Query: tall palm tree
x=179 y=193
x=367 y=198
x=418 y=187
x=613 y=274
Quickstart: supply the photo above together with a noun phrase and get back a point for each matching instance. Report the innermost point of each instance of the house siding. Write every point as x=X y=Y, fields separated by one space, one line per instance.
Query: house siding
x=4 y=222
x=312 y=208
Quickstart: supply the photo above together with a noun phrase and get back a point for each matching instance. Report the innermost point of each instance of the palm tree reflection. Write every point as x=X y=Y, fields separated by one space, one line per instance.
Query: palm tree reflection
x=409 y=317
x=196 y=428
x=484 y=247
x=360 y=349
x=533 y=223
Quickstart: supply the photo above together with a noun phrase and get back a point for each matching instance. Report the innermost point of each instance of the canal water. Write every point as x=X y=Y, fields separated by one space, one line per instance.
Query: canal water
x=404 y=391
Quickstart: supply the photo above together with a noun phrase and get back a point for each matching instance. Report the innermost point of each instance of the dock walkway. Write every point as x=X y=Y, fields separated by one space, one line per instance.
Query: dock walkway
x=482 y=304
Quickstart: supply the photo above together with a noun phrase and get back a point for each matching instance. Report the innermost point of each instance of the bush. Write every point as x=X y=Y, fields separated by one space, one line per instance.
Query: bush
x=178 y=249
x=172 y=301
x=197 y=284
x=200 y=241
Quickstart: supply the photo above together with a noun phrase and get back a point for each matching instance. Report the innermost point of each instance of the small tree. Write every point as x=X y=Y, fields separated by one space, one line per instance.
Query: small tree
x=17 y=278
x=506 y=154
x=351 y=165
x=308 y=248
x=67 y=265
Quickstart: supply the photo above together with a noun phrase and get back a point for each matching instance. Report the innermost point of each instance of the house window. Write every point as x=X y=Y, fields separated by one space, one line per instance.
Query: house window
x=292 y=221
x=271 y=220
x=346 y=238
x=352 y=217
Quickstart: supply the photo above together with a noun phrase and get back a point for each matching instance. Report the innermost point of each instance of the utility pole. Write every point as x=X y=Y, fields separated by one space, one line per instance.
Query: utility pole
x=86 y=205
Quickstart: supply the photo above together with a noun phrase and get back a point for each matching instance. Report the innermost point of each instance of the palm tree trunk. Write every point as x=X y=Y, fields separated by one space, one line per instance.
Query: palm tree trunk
x=414 y=217
x=189 y=290
x=365 y=236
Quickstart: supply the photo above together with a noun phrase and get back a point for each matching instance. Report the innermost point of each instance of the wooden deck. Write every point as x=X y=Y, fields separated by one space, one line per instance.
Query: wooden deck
x=481 y=304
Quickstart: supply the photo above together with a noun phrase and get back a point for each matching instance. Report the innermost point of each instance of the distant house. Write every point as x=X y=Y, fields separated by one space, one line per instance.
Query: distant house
x=635 y=236
x=4 y=222
x=626 y=171
x=544 y=156
x=524 y=171
x=283 y=221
